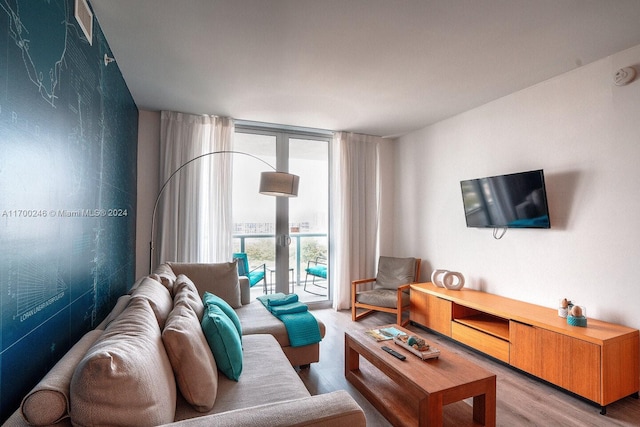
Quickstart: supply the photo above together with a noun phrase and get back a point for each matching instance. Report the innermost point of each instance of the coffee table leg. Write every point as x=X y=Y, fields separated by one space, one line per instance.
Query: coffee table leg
x=431 y=408
x=480 y=409
x=484 y=407
x=351 y=357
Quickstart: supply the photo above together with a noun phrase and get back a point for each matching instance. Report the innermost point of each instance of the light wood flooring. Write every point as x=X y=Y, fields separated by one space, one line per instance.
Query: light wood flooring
x=521 y=400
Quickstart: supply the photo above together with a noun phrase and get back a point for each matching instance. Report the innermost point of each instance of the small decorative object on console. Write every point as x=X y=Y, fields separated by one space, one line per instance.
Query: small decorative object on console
x=577 y=316
x=453 y=280
x=436 y=277
x=563 y=308
x=447 y=279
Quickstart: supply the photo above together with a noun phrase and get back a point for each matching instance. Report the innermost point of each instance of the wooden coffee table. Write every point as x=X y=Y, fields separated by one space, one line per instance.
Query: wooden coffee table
x=415 y=391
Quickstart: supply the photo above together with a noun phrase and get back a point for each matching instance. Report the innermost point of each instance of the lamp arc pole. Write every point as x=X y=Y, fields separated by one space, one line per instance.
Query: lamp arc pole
x=267 y=182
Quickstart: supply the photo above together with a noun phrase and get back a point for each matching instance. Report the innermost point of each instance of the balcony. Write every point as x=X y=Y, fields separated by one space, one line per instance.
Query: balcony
x=260 y=248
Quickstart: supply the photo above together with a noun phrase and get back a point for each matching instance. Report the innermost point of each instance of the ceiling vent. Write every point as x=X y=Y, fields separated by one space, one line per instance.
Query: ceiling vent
x=84 y=16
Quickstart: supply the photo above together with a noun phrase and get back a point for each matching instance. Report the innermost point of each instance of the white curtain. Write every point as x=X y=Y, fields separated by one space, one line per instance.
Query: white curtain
x=193 y=219
x=355 y=211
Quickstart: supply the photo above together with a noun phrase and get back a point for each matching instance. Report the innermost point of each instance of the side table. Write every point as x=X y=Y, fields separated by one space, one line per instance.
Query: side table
x=271 y=285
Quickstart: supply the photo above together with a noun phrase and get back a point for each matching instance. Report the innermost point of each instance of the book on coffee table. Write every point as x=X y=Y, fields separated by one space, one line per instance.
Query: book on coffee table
x=384 y=334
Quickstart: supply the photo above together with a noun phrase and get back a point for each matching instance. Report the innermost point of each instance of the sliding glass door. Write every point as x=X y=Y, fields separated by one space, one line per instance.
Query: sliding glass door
x=283 y=236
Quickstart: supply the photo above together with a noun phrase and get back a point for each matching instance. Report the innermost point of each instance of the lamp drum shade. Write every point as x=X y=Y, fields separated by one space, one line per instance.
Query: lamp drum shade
x=279 y=184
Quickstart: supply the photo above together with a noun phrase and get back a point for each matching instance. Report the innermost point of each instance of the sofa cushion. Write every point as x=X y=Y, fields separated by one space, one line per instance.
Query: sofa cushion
x=136 y=284
x=394 y=272
x=191 y=359
x=334 y=409
x=121 y=304
x=224 y=341
x=48 y=402
x=256 y=319
x=382 y=298
x=158 y=279
x=218 y=278
x=267 y=377
x=185 y=290
x=166 y=275
x=158 y=296
x=125 y=378
x=210 y=298
x=270 y=374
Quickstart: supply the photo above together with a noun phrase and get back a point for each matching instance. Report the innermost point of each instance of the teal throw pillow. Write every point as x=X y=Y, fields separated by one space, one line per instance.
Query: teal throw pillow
x=209 y=298
x=224 y=341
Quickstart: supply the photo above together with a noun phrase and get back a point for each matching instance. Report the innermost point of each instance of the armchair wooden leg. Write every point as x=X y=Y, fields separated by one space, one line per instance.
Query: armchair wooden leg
x=355 y=316
x=399 y=320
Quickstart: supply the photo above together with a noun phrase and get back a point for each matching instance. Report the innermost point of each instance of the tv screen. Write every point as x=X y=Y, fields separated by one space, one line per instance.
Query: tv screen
x=517 y=200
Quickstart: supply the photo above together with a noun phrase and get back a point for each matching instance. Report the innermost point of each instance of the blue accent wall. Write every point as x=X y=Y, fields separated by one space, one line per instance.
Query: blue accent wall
x=68 y=153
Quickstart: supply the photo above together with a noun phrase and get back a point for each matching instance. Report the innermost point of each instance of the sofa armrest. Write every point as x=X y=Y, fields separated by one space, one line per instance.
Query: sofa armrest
x=337 y=409
x=245 y=290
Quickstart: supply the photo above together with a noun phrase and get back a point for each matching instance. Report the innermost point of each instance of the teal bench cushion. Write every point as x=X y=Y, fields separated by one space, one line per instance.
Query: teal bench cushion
x=317 y=270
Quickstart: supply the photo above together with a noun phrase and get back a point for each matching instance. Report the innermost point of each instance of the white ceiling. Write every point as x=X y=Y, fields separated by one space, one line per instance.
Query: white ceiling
x=380 y=67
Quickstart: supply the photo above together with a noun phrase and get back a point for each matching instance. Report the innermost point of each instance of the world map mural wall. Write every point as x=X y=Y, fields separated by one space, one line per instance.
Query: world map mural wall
x=68 y=144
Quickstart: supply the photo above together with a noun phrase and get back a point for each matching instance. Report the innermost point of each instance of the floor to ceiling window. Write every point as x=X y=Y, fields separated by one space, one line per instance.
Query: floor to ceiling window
x=283 y=236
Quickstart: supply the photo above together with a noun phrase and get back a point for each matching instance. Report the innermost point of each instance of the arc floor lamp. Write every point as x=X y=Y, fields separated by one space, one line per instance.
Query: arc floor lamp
x=272 y=183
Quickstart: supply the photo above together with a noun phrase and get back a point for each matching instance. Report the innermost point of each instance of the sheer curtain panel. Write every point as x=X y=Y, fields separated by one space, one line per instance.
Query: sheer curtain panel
x=355 y=193
x=193 y=221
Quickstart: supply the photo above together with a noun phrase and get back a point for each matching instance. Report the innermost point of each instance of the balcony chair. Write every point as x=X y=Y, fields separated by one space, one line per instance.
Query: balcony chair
x=255 y=275
x=390 y=291
x=316 y=268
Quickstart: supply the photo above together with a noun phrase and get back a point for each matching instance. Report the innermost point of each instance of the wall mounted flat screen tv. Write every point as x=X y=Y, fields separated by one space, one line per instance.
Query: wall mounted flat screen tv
x=517 y=200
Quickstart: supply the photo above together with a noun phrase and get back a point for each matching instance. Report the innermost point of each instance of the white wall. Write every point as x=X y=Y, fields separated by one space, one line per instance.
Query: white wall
x=585 y=133
x=387 y=189
x=148 y=165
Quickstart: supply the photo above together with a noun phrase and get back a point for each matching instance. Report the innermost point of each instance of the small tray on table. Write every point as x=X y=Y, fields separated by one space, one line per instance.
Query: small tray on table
x=430 y=353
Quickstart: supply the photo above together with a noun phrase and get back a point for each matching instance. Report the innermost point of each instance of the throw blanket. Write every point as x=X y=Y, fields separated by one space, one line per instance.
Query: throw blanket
x=302 y=327
x=280 y=299
x=294 y=307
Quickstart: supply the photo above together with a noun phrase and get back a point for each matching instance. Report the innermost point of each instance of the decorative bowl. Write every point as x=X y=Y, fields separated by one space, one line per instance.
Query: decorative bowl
x=577 y=321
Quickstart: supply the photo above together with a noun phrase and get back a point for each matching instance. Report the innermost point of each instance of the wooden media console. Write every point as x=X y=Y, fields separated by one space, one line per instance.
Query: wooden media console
x=599 y=362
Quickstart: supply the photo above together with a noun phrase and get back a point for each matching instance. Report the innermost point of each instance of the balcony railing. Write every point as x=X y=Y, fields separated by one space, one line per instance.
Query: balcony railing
x=258 y=255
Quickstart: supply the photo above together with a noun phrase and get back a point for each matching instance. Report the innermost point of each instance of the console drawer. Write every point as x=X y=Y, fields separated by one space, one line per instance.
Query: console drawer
x=481 y=341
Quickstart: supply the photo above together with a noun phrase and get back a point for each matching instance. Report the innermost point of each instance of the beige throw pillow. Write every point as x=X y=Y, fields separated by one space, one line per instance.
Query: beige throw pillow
x=186 y=291
x=125 y=378
x=166 y=275
x=121 y=304
x=158 y=296
x=191 y=359
x=220 y=279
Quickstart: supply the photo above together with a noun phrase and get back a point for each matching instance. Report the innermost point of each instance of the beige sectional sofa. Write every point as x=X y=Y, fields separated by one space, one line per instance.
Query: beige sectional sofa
x=255 y=319
x=149 y=363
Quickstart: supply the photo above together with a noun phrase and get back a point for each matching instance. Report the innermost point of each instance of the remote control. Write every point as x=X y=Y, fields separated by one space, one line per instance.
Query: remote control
x=394 y=353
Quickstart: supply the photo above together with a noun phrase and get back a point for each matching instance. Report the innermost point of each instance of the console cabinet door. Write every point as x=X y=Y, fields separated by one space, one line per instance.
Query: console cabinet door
x=432 y=312
x=537 y=351
x=582 y=368
x=419 y=307
x=440 y=317
x=620 y=368
x=551 y=346
x=523 y=347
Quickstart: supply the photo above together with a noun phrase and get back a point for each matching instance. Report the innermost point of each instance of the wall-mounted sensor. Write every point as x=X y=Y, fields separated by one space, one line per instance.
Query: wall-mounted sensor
x=624 y=76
